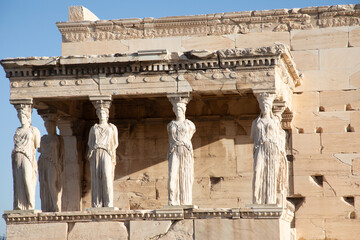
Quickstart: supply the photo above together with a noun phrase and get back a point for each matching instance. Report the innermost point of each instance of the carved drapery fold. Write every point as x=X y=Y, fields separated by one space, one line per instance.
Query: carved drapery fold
x=180 y=153
x=103 y=141
x=26 y=140
x=51 y=163
x=270 y=178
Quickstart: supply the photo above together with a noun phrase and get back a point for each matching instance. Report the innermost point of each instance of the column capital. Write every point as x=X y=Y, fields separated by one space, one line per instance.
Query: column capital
x=103 y=101
x=279 y=107
x=48 y=114
x=22 y=103
x=179 y=97
x=100 y=98
x=26 y=101
x=283 y=113
x=183 y=94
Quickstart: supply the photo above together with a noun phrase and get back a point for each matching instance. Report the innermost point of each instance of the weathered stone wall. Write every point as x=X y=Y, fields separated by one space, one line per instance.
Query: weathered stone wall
x=188 y=229
x=326 y=129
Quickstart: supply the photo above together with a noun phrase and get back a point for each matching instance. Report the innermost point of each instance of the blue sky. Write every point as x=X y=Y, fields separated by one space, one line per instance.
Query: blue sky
x=28 y=29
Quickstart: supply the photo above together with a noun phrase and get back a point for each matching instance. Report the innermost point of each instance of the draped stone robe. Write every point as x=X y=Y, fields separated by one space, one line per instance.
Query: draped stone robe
x=50 y=171
x=181 y=162
x=265 y=133
x=24 y=165
x=103 y=141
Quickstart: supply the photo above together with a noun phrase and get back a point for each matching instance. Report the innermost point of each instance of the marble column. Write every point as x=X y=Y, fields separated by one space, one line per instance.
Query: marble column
x=24 y=165
x=180 y=153
x=70 y=130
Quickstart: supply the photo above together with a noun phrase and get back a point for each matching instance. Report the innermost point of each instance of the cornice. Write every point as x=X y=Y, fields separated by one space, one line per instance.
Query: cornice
x=150 y=61
x=279 y=20
x=155 y=73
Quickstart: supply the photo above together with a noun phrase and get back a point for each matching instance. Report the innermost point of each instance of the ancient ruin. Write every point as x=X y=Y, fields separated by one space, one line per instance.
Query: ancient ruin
x=238 y=125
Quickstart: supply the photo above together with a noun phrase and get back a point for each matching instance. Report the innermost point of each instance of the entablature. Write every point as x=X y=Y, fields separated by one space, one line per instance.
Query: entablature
x=154 y=73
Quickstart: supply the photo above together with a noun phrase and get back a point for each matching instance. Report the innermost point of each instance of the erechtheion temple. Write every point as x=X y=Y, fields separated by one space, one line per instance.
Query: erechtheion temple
x=241 y=125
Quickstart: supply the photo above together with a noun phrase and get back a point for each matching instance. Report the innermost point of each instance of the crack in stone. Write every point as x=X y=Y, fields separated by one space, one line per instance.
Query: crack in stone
x=158 y=236
x=324 y=179
x=317 y=226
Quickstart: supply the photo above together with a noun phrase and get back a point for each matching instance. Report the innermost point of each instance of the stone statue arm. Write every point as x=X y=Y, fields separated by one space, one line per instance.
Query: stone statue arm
x=192 y=128
x=252 y=134
x=168 y=126
x=40 y=149
x=61 y=152
x=91 y=141
x=116 y=138
x=170 y=139
x=37 y=137
x=115 y=141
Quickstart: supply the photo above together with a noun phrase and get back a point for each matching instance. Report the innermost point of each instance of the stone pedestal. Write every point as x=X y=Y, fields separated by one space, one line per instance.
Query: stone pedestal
x=102 y=209
x=181 y=207
x=262 y=222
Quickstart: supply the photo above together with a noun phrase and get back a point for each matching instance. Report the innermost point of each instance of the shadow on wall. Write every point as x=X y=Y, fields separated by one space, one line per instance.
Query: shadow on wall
x=222 y=145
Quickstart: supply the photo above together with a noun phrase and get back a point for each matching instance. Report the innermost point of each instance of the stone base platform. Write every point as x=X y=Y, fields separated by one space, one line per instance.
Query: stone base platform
x=257 y=222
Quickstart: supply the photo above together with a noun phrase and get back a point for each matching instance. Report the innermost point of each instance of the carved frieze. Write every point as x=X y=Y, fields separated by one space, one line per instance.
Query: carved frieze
x=278 y=20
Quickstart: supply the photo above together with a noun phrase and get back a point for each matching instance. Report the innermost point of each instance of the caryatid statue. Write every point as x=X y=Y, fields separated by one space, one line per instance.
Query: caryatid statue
x=26 y=140
x=180 y=154
x=103 y=141
x=269 y=147
x=283 y=173
x=51 y=161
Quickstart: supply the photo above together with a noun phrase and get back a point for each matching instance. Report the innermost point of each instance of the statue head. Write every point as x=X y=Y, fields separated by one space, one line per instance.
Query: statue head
x=24 y=114
x=50 y=122
x=103 y=114
x=179 y=109
x=179 y=106
x=50 y=117
x=50 y=127
x=265 y=102
x=102 y=109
